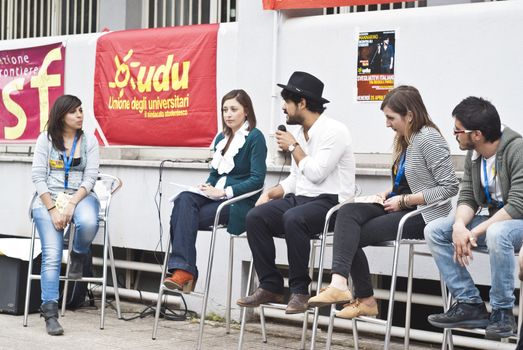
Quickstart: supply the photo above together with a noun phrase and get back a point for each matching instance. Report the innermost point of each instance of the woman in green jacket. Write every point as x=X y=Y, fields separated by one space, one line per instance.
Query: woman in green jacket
x=238 y=167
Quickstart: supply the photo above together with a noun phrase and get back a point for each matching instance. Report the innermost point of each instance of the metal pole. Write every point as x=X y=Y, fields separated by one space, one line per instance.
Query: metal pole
x=274 y=68
x=390 y=312
x=113 y=273
x=208 y=277
x=160 y=292
x=243 y=309
x=323 y=243
x=229 y=286
x=331 y=326
x=409 y=296
x=29 y=273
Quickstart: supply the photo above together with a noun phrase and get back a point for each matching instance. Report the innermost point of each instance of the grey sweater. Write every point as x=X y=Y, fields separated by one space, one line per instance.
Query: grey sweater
x=509 y=168
x=50 y=180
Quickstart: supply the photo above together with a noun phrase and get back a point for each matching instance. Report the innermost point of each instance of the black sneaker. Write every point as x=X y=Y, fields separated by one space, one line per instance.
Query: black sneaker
x=501 y=325
x=462 y=315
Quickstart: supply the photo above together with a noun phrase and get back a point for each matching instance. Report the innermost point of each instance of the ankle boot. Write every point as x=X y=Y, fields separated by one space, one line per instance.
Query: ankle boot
x=77 y=265
x=49 y=311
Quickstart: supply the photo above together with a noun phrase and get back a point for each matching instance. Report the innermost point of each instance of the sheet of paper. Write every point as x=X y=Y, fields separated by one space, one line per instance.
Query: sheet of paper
x=186 y=188
x=369 y=199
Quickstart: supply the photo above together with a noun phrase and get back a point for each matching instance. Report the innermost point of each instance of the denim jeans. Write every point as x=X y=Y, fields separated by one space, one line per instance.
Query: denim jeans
x=85 y=218
x=502 y=239
x=191 y=212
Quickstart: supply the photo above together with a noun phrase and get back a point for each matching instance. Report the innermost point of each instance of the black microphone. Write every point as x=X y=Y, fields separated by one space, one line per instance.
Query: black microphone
x=282 y=127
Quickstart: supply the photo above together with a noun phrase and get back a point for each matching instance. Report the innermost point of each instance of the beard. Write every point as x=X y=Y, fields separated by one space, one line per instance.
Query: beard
x=465 y=145
x=294 y=119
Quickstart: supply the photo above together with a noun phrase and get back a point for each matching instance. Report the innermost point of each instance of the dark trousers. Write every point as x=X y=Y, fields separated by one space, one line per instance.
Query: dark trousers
x=191 y=212
x=297 y=219
x=362 y=224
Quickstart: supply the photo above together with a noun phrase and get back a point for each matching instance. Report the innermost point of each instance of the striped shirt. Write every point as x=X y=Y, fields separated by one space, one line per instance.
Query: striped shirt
x=429 y=169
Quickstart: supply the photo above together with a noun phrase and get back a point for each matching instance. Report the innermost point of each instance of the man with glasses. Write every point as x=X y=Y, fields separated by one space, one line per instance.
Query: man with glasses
x=489 y=213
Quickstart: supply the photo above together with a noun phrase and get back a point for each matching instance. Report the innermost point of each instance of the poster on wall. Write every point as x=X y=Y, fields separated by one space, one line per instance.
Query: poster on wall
x=376 y=62
x=31 y=79
x=157 y=87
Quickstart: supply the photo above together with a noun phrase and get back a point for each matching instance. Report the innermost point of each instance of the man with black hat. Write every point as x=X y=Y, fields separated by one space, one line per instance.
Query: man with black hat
x=322 y=174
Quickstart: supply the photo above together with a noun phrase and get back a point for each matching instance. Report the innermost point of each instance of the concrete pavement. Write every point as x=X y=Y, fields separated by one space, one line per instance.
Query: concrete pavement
x=82 y=332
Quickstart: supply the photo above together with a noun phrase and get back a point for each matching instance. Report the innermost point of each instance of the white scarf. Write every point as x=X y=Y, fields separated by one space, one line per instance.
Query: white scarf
x=225 y=163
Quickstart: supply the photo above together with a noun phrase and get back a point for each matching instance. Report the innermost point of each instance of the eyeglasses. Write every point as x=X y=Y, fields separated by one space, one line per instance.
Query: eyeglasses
x=464 y=131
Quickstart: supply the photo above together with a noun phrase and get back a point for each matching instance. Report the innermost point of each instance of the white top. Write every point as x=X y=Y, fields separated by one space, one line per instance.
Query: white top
x=329 y=165
x=225 y=163
x=494 y=186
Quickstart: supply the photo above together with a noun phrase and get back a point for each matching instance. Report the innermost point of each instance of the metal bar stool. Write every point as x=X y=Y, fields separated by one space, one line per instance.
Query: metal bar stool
x=273 y=306
x=318 y=241
x=388 y=322
x=448 y=299
x=205 y=294
x=105 y=187
x=323 y=245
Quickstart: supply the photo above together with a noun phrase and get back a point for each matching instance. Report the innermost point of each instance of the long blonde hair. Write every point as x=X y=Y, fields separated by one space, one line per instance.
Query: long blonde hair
x=402 y=100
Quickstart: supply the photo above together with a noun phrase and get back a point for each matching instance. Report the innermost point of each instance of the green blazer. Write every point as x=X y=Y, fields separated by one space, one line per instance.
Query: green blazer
x=247 y=175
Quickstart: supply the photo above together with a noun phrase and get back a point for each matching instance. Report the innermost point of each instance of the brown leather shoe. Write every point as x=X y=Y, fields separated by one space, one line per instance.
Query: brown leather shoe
x=260 y=296
x=298 y=303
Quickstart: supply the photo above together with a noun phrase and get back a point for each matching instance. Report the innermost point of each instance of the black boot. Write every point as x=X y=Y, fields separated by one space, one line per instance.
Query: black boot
x=77 y=265
x=49 y=311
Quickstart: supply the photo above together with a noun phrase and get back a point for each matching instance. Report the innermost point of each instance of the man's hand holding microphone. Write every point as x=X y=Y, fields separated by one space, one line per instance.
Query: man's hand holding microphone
x=285 y=139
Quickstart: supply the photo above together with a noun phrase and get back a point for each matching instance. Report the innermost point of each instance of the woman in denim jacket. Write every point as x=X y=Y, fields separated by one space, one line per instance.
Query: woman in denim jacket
x=65 y=168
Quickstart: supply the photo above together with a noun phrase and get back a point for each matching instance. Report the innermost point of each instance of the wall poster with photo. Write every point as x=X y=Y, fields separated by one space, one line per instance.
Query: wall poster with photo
x=376 y=62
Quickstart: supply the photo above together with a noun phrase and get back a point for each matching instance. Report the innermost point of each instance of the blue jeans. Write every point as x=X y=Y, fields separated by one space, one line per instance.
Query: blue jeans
x=191 y=212
x=85 y=218
x=502 y=239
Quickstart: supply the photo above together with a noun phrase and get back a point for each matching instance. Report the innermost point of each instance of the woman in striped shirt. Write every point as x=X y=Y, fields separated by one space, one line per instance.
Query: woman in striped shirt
x=422 y=173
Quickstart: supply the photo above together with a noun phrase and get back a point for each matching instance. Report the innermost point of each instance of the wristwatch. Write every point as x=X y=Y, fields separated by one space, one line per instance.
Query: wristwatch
x=293 y=147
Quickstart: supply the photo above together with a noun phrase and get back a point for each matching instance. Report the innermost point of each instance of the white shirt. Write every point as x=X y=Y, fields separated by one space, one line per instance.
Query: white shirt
x=494 y=186
x=328 y=166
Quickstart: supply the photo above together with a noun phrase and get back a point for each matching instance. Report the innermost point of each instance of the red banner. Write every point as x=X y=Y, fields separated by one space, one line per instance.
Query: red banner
x=31 y=79
x=157 y=87
x=309 y=4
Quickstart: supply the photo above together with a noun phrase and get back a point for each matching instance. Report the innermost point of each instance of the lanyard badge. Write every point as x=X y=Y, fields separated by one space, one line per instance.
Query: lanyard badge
x=400 y=170
x=68 y=161
x=486 y=185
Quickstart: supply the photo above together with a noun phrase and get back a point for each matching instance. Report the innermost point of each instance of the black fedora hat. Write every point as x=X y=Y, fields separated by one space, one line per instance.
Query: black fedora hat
x=306 y=85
